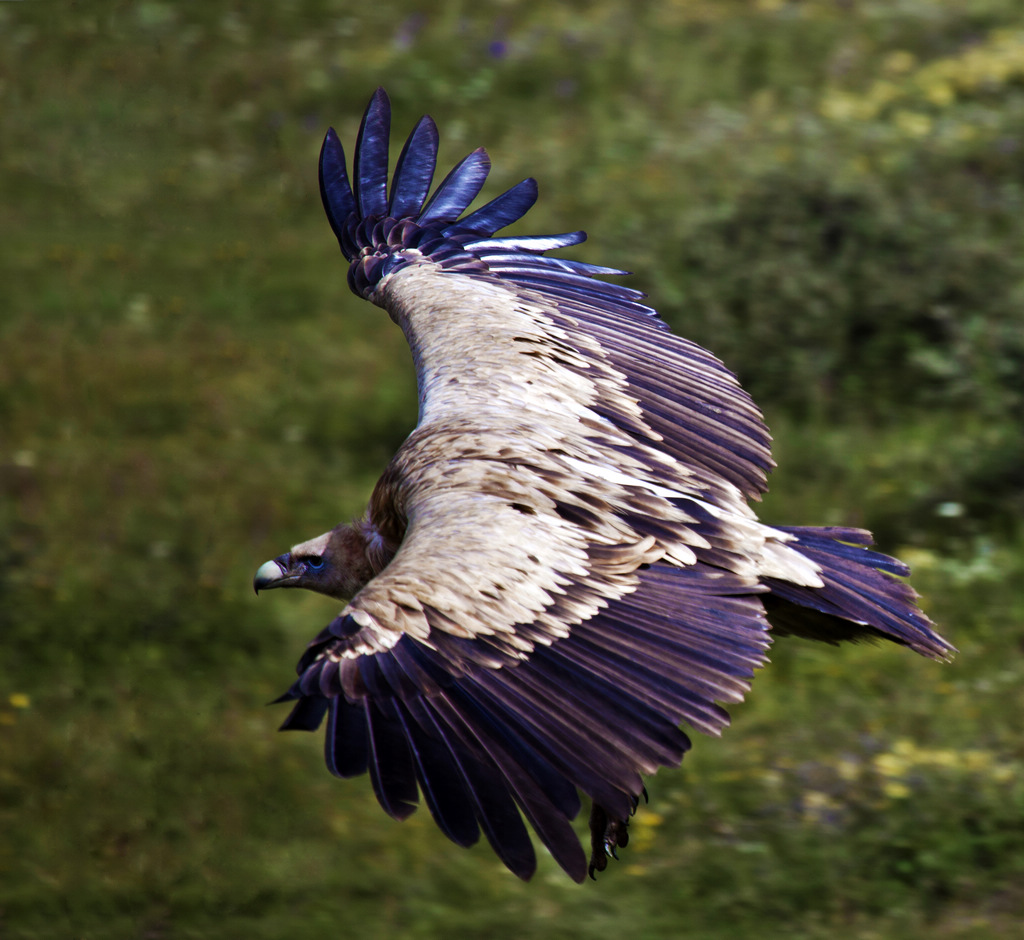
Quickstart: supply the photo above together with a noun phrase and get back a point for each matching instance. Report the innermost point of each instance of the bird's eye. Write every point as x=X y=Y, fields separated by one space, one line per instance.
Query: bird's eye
x=314 y=564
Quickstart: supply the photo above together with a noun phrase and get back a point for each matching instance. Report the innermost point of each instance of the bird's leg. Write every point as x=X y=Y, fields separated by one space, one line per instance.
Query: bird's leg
x=607 y=835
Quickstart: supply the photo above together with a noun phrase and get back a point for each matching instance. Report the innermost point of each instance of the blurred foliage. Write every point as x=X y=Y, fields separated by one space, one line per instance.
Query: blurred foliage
x=876 y=307
x=827 y=194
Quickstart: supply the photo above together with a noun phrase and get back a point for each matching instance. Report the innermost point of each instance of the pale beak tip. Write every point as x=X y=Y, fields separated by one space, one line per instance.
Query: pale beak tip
x=268 y=574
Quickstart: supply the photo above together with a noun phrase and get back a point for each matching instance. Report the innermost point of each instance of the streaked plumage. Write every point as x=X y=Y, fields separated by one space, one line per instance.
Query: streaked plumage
x=559 y=567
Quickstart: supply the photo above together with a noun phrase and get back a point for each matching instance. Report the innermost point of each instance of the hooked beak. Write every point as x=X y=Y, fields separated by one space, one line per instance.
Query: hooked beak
x=275 y=574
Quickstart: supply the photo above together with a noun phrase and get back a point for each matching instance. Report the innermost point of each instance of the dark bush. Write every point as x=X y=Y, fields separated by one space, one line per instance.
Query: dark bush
x=826 y=299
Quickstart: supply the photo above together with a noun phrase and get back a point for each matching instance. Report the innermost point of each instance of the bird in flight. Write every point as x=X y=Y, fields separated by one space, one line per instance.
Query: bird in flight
x=559 y=567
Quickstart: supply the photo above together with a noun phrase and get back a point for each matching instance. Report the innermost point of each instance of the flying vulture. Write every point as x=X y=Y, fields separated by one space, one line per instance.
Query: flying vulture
x=559 y=567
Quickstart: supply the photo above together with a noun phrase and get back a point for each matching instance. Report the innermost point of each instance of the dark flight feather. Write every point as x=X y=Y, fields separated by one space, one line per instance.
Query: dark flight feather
x=501 y=211
x=414 y=171
x=370 y=169
x=458 y=189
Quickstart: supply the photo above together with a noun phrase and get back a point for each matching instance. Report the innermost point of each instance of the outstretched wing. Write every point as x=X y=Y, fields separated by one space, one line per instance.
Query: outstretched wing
x=682 y=396
x=506 y=658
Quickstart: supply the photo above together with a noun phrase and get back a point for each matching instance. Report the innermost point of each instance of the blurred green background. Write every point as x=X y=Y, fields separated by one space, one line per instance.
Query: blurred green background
x=828 y=194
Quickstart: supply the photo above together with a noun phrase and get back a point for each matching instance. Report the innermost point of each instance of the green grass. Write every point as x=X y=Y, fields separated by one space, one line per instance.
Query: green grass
x=187 y=387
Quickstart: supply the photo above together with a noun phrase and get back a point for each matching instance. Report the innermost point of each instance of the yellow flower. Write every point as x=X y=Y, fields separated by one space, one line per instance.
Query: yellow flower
x=838 y=106
x=912 y=123
x=895 y=790
x=848 y=770
x=941 y=94
x=899 y=62
x=882 y=93
x=890 y=765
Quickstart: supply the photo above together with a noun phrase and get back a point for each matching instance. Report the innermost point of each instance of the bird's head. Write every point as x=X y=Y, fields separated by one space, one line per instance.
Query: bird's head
x=334 y=564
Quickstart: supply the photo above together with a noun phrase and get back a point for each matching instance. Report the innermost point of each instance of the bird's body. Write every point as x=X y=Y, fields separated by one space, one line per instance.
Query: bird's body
x=560 y=565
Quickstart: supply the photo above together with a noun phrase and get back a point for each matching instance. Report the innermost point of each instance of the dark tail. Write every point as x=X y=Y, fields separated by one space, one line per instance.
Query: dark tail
x=863 y=597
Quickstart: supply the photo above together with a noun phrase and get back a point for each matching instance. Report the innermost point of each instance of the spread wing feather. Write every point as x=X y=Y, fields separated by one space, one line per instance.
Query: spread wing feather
x=575 y=570
x=503 y=210
x=346 y=748
x=370 y=164
x=335 y=190
x=440 y=776
x=414 y=171
x=458 y=189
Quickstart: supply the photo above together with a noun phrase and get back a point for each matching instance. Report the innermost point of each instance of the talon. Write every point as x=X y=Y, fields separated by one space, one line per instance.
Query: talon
x=607 y=836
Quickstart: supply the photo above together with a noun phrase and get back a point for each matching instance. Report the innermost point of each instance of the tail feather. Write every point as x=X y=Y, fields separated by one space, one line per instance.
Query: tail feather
x=861 y=598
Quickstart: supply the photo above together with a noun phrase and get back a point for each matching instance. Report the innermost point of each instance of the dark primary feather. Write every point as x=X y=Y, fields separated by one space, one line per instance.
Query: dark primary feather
x=457 y=190
x=335 y=191
x=370 y=168
x=559 y=567
x=414 y=171
x=503 y=210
